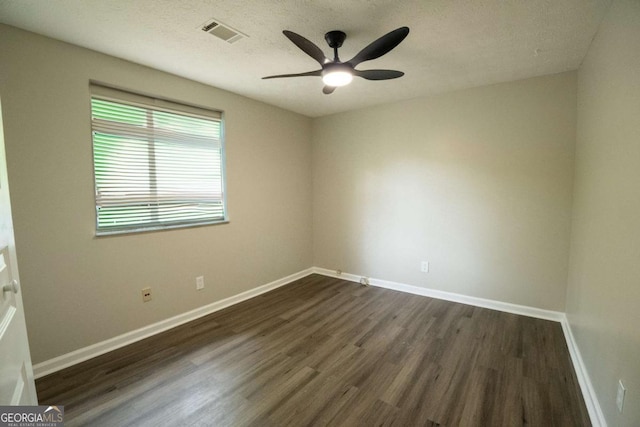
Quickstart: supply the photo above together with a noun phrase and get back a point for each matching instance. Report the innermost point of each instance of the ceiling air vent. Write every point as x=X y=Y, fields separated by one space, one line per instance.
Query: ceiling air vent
x=222 y=31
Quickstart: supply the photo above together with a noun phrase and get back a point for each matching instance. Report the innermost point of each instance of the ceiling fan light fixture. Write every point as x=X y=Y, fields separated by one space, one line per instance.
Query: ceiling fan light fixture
x=336 y=75
x=337 y=78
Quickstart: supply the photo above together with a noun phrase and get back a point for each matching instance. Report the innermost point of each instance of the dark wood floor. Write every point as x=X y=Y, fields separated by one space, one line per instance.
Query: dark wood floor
x=323 y=351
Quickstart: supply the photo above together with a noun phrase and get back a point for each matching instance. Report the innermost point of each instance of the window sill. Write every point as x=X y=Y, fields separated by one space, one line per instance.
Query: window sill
x=108 y=233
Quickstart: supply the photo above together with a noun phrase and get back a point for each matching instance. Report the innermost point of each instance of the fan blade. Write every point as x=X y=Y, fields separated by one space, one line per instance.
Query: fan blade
x=309 y=73
x=378 y=74
x=306 y=46
x=328 y=90
x=381 y=46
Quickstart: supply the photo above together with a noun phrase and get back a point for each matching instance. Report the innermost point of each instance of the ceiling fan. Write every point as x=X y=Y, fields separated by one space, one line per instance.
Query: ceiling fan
x=336 y=73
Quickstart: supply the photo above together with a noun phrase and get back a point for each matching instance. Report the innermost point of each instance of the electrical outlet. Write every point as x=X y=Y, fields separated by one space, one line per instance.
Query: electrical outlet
x=620 y=396
x=424 y=266
x=146 y=295
x=200 y=282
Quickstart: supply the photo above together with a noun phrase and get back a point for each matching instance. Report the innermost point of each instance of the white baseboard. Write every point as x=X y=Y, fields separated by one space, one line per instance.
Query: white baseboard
x=524 y=310
x=53 y=365
x=589 y=394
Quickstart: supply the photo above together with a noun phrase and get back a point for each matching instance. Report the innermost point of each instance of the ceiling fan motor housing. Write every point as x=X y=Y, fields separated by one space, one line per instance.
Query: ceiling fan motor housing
x=335 y=38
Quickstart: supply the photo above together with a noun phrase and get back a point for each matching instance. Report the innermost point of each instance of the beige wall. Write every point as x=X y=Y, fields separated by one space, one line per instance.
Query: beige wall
x=603 y=300
x=78 y=289
x=477 y=182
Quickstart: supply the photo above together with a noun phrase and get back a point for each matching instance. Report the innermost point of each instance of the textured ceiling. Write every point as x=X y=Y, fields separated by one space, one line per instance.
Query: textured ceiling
x=453 y=44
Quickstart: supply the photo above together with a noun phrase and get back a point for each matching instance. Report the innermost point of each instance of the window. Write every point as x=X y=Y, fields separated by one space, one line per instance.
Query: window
x=157 y=164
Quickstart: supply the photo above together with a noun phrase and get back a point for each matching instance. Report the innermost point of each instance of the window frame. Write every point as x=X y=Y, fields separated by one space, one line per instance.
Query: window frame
x=126 y=97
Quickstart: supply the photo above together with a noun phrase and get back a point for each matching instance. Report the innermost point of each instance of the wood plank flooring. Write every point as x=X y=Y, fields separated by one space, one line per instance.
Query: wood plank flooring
x=323 y=351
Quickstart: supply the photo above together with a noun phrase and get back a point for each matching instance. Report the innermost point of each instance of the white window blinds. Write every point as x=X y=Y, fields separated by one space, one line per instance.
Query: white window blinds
x=157 y=164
